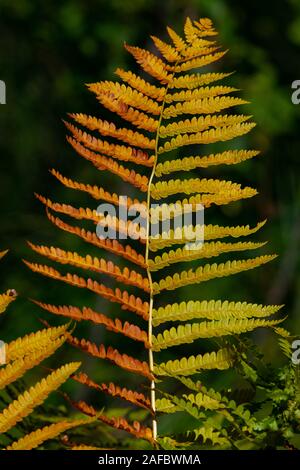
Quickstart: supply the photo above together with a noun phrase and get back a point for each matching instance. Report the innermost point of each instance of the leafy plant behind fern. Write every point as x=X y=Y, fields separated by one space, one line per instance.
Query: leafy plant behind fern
x=170 y=109
x=261 y=411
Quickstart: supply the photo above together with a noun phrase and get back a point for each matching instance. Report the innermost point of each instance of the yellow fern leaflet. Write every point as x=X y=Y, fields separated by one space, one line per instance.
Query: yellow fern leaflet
x=222 y=359
x=17 y=368
x=211 y=310
x=207 y=272
x=33 y=343
x=191 y=331
x=36 y=438
x=26 y=402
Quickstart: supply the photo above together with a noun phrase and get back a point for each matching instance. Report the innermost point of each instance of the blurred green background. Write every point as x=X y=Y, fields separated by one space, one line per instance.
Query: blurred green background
x=49 y=50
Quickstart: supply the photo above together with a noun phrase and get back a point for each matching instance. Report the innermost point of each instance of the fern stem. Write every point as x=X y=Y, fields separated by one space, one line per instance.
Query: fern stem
x=151 y=358
x=151 y=366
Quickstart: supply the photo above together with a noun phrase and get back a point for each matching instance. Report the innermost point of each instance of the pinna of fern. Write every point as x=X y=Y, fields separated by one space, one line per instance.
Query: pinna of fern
x=172 y=105
x=19 y=357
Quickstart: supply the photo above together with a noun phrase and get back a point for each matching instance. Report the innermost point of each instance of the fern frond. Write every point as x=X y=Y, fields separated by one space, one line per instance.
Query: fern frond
x=36 y=438
x=207 y=137
x=103 y=163
x=209 y=433
x=150 y=63
x=99 y=265
x=181 y=404
x=33 y=342
x=164 y=405
x=167 y=51
x=117 y=151
x=228 y=408
x=204 y=106
x=197 y=385
x=184 y=206
x=136 y=429
x=199 y=93
x=199 y=49
x=127 y=329
x=282 y=332
x=190 y=31
x=128 y=95
x=17 y=368
x=178 y=42
x=189 y=332
x=188 y=233
x=208 y=56
x=209 y=271
x=121 y=226
x=98 y=192
x=168 y=443
x=34 y=396
x=229 y=157
x=199 y=250
x=163 y=189
x=200 y=400
x=190 y=48
x=122 y=360
x=205 y=26
x=137 y=118
x=141 y=85
x=113 y=246
x=285 y=347
x=109 y=129
x=221 y=359
x=191 y=81
x=211 y=232
x=199 y=124
x=180 y=109
x=130 y=396
x=128 y=302
x=211 y=310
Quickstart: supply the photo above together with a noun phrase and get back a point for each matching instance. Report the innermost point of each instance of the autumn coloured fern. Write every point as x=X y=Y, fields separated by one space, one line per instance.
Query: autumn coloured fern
x=18 y=357
x=173 y=107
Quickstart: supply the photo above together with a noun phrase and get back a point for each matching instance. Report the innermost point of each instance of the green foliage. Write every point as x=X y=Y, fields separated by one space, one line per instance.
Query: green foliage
x=265 y=416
